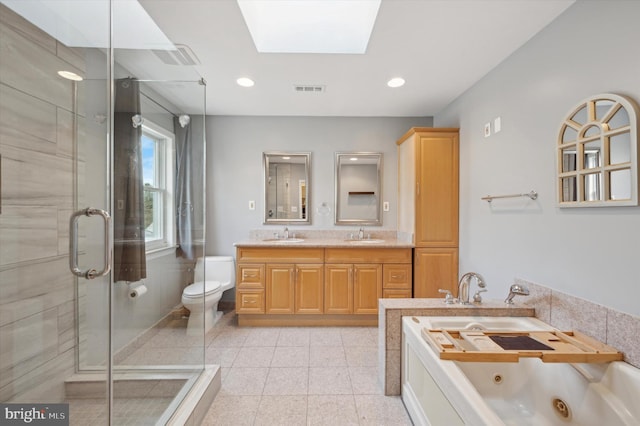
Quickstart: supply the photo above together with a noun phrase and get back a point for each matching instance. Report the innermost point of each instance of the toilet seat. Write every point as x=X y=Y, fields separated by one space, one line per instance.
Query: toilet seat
x=195 y=290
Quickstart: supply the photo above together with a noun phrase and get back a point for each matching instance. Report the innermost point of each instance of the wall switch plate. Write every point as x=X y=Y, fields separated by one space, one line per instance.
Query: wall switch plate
x=487 y=130
x=497 y=125
x=252 y=205
x=385 y=206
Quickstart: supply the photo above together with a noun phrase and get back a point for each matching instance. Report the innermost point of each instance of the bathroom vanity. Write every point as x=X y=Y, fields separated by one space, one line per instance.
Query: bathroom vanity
x=319 y=282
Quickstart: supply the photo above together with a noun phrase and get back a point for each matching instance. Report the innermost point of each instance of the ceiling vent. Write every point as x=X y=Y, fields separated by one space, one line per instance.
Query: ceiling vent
x=183 y=55
x=308 y=88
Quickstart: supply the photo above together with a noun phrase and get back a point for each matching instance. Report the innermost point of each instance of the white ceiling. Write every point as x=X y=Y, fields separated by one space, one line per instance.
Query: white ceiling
x=440 y=47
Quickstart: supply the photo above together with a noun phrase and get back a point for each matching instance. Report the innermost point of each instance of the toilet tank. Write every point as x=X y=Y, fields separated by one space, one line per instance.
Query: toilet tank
x=216 y=268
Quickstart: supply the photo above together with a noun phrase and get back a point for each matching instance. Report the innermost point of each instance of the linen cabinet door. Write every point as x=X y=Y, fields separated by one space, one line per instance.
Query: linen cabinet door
x=309 y=289
x=280 y=289
x=435 y=268
x=436 y=216
x=338 y=289
x=367 y=288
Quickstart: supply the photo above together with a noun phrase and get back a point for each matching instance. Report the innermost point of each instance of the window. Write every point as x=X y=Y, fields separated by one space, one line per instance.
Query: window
x=158 y=173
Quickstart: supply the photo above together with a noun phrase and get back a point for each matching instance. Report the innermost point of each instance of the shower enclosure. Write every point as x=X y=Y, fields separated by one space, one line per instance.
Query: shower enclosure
x=102 y=145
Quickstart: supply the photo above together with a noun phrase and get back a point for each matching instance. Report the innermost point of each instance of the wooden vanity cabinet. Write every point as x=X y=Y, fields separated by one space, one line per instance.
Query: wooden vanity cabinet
x=352 y=288
x=428 y=205
x=279 y=280
x=318 y=286
x=294 y=289
x=359 y=273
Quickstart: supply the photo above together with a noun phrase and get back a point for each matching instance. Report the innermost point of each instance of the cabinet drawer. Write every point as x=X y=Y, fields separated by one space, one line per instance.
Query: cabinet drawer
x=367 y=255
x=250 y=276
x=396 y=294
x=280 y=255
x=397 y=277
x=250 y=301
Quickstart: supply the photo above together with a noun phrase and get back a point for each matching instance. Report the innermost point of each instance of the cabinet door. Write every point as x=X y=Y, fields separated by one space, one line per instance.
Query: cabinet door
x=309 y=288
x=435 y=268
x=437 y=190
x=338 y=289
x=367 y=288
x=279 y=289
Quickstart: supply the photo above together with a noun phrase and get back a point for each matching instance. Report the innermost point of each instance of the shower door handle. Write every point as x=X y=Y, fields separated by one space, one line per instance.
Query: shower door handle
x=73 y=243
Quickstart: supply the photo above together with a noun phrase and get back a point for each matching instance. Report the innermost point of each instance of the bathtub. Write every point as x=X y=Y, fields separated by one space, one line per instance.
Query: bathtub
x=529 y=392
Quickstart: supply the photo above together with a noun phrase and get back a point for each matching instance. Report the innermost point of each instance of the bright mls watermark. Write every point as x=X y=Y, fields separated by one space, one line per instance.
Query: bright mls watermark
x=34 y=414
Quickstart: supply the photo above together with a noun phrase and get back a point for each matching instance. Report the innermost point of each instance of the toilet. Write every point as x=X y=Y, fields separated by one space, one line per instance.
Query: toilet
x=212 y=276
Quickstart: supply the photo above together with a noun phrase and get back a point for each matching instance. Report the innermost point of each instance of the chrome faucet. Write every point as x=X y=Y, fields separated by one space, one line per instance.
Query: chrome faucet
x=516 y=289
x=361 y=233
x=286 y=233
x=465 y=283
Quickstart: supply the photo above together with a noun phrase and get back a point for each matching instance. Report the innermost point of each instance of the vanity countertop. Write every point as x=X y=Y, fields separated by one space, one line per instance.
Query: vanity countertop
x=326 y=242
x=327 y=238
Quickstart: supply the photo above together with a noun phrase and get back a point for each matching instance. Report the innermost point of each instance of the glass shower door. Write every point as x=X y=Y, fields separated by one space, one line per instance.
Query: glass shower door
x=54 y=159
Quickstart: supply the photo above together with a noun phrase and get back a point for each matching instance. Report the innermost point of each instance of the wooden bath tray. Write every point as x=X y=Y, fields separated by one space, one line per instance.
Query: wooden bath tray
x=510 y=346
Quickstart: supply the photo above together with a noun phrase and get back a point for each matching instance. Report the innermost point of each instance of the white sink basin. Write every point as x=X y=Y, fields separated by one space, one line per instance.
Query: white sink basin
x=285 y=241
x=484 y=323
x=371 y=241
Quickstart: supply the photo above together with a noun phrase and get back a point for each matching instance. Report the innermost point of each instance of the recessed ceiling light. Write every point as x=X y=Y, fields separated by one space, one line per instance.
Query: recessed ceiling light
x=396 y=82
x=310 y=26
x=70 y=75
x=245 y=82
x=353 y=159
x=286 y=158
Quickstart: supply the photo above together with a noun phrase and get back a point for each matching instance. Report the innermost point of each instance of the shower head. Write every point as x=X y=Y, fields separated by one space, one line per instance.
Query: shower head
x=137 y=121
x=184 y=119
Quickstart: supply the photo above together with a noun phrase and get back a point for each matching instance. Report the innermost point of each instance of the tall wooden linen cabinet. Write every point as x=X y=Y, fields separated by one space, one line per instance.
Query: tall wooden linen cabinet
x=428 y=206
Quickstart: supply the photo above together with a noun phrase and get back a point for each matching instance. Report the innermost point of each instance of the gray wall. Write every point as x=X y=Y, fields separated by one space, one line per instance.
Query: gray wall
x=591 y=253
x=234 y=167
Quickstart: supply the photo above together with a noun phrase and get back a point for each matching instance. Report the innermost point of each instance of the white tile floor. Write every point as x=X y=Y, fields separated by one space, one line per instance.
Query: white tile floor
x=298 y=376
x=285 y=376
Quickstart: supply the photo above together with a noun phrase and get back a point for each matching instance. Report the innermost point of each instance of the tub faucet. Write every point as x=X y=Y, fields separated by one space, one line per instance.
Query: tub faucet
x=286 y=233
x=465 y=283
x=516 y=289
x=361 y=233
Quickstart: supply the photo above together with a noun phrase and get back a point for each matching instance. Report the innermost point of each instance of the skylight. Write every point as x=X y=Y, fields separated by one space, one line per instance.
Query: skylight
x=310 y=26
x=85 y=23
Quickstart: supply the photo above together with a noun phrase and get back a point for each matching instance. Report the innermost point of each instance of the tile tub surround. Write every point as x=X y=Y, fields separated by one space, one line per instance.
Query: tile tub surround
x=567 y=312
x=390 y=315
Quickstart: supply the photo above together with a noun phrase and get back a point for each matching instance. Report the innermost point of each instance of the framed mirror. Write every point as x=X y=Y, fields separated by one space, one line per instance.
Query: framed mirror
x=597 y=153
x=358 y=188
x=286 y=187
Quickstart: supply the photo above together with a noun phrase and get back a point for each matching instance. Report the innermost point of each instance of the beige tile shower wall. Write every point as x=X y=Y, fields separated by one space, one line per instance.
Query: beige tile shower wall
x=37 y=309
x=567 y=312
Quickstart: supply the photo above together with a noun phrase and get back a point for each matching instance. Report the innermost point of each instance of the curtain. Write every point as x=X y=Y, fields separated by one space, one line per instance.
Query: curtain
x=184 y=189
x=128 y=224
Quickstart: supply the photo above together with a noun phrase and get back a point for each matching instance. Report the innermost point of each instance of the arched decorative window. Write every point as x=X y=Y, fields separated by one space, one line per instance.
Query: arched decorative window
x=598 y=153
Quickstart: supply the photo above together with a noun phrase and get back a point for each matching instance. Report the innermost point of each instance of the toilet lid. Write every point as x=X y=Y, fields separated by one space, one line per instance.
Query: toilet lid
x=196 y=289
